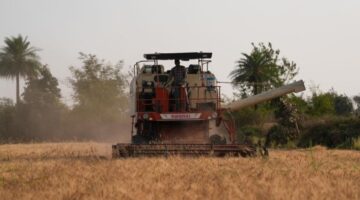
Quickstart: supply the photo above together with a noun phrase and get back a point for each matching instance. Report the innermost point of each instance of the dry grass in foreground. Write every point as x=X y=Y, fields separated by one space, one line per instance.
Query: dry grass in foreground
x=85 y=171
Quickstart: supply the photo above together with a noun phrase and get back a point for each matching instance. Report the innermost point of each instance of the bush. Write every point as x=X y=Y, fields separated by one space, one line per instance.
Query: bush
x=249 y=134
x=330 y=103
x=336 y=133
x=250 y=116
x=343 y=105
x=281 y=136
x=301 y=105
x=7 y=117
x=322 y=104
x=356 y=143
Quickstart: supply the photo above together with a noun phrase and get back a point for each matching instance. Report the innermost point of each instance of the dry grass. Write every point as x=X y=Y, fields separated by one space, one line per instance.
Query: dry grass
x=85 y=171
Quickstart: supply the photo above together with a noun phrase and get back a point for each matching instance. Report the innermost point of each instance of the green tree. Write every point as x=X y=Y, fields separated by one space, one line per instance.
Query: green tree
x=322 y=104
x=343 y=105
x=300 y=103
x=40 y=114
x=18 y=59
x=262 y=69
x=357 y=102
x=99 y=89
x=7 y=116
x=43 y=90
x=287 y=116
x=330 y=103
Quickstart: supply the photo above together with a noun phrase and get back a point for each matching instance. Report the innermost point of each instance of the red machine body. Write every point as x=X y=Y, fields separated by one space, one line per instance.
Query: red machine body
x=160 y=116
x=186 y=118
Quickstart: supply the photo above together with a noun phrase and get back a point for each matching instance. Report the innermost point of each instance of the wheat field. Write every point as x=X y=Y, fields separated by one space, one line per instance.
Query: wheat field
x=86 y=171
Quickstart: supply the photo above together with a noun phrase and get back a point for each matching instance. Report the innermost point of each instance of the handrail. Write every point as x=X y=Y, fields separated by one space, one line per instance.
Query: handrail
x=211 y=94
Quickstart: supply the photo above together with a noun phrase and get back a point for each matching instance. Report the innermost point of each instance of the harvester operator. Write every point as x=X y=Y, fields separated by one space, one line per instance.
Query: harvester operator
x=178 y=75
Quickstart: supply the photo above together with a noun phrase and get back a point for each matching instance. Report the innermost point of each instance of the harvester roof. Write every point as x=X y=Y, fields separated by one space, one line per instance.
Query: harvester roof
x=178 y=56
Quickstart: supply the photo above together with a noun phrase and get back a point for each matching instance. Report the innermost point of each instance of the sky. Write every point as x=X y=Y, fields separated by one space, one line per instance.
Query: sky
x=321 y=36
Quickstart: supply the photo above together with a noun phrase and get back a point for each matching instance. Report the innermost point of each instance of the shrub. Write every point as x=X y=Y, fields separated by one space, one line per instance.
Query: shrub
x=343 y=105
x=356 y=143
x=336 y=133
x=301 y=105
x=251 y=116
x=280 y=136
x=7 y=117
x=249 y=134
x=330 y=103
x=322 y=104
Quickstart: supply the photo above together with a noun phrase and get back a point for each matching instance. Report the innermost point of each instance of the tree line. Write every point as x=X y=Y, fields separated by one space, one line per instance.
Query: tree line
x=100 y=97
x=325 y=118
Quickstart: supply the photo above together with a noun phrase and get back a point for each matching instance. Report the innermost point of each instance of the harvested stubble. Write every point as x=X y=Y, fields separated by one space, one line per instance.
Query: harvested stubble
x=86 y=171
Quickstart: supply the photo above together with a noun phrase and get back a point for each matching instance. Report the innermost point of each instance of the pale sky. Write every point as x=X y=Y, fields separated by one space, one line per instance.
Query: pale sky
x=321 y=36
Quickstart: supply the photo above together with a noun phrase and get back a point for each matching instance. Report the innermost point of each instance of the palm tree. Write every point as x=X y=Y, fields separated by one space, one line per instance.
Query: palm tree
x=18 y=59
x=256 y=72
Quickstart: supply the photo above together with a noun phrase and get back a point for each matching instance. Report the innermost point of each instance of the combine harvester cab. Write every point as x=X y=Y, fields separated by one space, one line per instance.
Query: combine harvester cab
x=184 y=118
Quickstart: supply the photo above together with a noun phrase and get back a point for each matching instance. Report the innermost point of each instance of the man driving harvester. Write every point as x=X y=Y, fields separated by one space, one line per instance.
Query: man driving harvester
x=178 y=74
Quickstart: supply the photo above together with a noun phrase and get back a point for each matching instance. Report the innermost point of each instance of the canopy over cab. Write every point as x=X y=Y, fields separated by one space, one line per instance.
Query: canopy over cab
x=178 y=56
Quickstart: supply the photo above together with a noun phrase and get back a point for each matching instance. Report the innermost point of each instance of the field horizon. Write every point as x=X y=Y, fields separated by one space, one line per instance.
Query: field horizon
x=86 y=170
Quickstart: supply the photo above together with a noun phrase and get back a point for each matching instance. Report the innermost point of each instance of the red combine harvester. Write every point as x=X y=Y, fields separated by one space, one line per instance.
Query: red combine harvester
x=179 y=111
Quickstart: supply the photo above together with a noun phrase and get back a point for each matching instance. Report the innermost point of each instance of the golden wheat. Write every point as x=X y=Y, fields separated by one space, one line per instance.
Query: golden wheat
x=86 y=171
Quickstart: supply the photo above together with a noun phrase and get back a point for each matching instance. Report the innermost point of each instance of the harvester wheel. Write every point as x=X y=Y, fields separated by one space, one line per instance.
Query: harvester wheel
x=217 y=139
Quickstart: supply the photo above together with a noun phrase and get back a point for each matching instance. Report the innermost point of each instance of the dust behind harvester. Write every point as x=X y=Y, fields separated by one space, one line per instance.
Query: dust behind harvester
x=178 y=110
